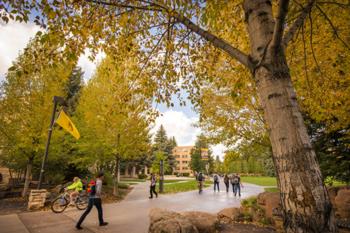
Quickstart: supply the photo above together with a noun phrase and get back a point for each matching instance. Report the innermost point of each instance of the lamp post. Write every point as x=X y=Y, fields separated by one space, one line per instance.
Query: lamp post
x=56 y=100
x=161 y=180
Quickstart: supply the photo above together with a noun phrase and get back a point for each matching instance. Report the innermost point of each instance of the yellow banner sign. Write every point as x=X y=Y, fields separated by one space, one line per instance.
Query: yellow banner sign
x=66 y=123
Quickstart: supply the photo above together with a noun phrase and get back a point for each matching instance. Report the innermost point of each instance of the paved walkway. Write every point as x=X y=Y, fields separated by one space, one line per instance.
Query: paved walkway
x=128 y=216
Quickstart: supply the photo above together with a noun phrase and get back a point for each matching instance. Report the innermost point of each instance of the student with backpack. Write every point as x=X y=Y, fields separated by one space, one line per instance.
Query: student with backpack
x=227 y=182
x=200 y=180
x=216 y=183
x=236 y=184
x=94 y=191
x=153 y=186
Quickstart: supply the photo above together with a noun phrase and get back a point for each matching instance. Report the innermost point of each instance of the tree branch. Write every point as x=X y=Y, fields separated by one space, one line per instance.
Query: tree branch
x=279 y=25
x=217 y=42
x=335 y=31
x=288 y=36
x=124 y=5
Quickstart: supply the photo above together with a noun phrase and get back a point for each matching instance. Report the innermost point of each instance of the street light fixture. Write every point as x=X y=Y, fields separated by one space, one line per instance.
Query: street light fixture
x=56 y=100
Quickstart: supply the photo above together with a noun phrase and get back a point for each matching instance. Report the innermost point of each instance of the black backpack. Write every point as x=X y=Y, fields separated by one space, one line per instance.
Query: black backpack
x=216 y=178
x=200 y=177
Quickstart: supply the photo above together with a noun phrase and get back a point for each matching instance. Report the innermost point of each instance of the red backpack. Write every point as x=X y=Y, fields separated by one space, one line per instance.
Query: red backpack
x=91 y=189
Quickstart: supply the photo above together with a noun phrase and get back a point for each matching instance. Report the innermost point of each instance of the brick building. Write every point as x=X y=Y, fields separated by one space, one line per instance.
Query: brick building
x=183 y=158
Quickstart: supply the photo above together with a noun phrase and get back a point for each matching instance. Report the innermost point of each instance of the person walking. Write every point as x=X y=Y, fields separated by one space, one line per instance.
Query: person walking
x=236 y=184
x=216 y=182
x=153 y=186
x=200 y=180
x=227 y=182
x=94 y=191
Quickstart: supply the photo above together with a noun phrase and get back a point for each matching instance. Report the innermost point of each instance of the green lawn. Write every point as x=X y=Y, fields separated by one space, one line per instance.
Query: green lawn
x=177 y=187
x=260 y=180
x=336 y=184
x=129 y=183
x=132 y=180
x=272 y=190
x=172 y=181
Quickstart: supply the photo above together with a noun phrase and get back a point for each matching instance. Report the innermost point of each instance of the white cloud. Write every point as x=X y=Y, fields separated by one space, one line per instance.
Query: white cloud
x=89 y=66
x=14 y=37
x=179 y=125
x=219 y=150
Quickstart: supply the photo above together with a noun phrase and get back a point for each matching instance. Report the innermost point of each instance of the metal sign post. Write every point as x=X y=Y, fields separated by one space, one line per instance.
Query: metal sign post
x=56 y=100
x=161 y=180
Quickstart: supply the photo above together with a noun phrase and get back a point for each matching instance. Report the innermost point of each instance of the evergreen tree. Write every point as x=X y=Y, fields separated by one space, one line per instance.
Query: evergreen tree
x=333 y=150
x=166 y=146
x=73 y=88
x=196 y=164
x=160 y=140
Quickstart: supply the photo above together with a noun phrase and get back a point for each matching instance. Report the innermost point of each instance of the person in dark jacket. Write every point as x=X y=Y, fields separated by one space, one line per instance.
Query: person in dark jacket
x=153 y=186
x=227 y=182
x=236 y=184
x=94 y=200
x=216 y=182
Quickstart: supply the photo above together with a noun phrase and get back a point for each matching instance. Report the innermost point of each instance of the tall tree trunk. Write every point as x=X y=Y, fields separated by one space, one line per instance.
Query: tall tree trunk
x=126 y=172
x=116 y=176
x=304 y=198
x=27 y=177
x=10 y=182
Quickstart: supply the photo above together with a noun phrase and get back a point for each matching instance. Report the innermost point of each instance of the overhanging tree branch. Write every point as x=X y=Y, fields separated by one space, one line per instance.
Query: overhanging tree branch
x=124 y=5
x=216 y=41
x=288 y=36
x=335 y=31
x=279 y=25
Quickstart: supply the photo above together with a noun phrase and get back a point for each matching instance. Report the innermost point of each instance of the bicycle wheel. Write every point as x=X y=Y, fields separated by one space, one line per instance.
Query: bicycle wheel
x=59 y=204
x=82 y=202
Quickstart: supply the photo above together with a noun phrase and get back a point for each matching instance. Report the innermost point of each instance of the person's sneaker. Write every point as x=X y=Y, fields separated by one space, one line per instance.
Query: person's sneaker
x=150 y=197
x=78 y=227
x=103 y=224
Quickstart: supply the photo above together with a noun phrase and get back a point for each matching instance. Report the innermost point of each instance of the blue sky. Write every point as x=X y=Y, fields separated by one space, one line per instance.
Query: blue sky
x=178 y=120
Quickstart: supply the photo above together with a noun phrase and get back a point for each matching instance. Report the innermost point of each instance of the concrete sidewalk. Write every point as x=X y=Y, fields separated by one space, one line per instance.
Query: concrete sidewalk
x=128 y=216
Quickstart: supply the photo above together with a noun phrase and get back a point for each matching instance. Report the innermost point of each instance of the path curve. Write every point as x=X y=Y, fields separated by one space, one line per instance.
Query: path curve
x=131 y=215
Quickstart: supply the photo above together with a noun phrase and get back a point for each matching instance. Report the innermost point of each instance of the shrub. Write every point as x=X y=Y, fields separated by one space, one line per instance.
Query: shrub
x=186 y=174
x=55 y=178
x=123 y=186
x=249 y=202
x=108 y=178
x=142 y=176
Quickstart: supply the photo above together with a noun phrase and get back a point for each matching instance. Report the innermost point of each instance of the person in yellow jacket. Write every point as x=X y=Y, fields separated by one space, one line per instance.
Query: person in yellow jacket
x=74 y=189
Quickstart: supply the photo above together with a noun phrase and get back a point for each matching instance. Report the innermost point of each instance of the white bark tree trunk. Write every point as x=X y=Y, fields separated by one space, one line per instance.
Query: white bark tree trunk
x=27 y=177
x=126 y=172
x=116 y=176
x=304 y=198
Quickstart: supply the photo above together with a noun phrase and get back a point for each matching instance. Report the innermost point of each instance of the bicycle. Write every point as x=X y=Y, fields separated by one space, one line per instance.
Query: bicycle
x=60 y=203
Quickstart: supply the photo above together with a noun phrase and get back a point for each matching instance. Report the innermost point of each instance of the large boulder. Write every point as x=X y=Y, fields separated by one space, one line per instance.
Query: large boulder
x=164 y=221
x=204 y=222
x=269 y=202
x=342 y=203
x=229 y=215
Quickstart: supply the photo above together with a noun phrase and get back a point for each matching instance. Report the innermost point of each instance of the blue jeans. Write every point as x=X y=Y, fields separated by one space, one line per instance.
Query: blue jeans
x=236 y=188
x=92 y=202
x=216 y=184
